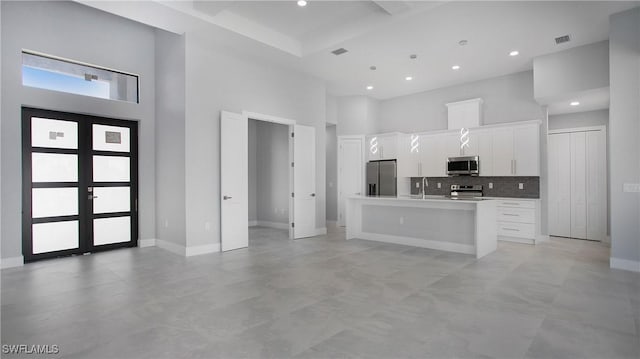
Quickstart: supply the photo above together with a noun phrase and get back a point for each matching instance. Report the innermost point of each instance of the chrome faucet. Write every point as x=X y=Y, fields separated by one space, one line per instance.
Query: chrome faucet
x=425 y=184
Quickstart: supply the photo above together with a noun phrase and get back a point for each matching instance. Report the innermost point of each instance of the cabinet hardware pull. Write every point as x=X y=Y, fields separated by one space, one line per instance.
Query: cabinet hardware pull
x=510 y=214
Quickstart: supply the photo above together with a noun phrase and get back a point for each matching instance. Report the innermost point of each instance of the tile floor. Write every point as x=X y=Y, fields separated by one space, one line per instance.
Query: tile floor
x=325 y=297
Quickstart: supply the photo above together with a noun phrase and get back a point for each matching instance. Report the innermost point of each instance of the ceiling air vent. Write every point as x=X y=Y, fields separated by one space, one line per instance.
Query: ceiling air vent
x=339 y=51
x=562 y=39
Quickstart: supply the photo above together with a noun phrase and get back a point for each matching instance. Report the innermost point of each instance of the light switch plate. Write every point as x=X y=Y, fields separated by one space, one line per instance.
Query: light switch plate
x=520 y=185
x=631 y=187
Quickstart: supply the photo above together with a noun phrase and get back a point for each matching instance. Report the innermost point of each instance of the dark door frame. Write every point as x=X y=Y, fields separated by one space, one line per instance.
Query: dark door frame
x=85 y=154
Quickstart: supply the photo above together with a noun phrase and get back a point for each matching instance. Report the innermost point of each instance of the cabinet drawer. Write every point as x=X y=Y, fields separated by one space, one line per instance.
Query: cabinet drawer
x=521 y=230
x=520 y=215
x=516 y=204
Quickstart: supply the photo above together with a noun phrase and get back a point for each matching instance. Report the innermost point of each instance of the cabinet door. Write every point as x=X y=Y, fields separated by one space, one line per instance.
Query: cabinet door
x=433 y=156
x=526 y=151
x=373 y=148
x=451 y=145
x=480 y=145
x=578 y=185
x=560 y=185
x=389 y=147
x=502 y=143
x=409 y=161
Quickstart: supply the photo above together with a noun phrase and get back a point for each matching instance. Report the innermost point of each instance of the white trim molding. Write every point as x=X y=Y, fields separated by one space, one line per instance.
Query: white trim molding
x=624 y=264
x=276 y=225
x=419 y=242
x=203 y=249
x=12 y=262
x=171 y=247
x=147 y=242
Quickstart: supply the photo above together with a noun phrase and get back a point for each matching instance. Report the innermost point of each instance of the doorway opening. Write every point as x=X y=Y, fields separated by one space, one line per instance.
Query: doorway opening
x=80 y=184
x=269 y=177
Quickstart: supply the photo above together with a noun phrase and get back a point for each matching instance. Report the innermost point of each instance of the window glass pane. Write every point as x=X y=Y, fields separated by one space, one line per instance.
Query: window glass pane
x=54 y=133
x=54 y=167
x=111 y=169
x=54 y=236
x=111 y=230
x=53 y=202
x=55 y=74
x=110 y=138
x=111 y=199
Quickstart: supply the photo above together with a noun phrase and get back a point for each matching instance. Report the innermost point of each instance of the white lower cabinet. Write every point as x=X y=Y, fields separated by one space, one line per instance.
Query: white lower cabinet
x=518 y=220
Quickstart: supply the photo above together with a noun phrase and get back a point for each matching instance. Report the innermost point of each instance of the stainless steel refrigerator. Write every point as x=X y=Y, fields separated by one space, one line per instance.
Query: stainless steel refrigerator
x=381 y=178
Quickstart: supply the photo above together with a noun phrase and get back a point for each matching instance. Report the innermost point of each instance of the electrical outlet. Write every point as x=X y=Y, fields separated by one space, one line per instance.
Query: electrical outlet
x=439 y=185
x=520 y=185
x=631 y=187
x=490 y=185
x=401 y=220
x=417 y=185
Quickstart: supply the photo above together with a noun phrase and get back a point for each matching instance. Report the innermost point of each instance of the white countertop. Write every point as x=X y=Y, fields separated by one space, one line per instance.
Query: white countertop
x=431 y=198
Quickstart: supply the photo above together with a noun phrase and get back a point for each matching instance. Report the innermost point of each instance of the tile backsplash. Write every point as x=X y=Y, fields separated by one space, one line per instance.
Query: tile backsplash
x=502 y=186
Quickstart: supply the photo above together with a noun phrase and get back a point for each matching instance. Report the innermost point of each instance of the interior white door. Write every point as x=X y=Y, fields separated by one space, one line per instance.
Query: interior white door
x=596 y=185
x=234 y=181
x=304 y=179
x=578 y=185
x=560 y=185
x=350 y=181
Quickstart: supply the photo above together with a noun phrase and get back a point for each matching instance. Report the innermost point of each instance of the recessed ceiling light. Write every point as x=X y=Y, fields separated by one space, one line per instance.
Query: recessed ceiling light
x=408 y=78
x=369 y=87
x=574 y=103
x=514 y=53
x=455 y=67
x=302 y=3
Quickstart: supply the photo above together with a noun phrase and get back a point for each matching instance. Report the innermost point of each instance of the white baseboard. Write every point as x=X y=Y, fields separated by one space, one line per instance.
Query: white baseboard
x=624 y=264
x=203 y=249
x=187 y=251
x=542 y=238
x=171 y=247
x=275 y=225
x=321 y=231
x=419 y=242
x=253 y=223
x=516 y=240
x=12 y=262
x=147 y=242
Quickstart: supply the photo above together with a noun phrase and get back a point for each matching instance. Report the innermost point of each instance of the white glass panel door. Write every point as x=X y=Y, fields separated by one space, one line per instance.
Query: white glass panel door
x=79 y=184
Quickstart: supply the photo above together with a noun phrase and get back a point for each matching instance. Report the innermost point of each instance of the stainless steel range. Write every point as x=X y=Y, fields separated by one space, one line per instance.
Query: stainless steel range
x=466 y=191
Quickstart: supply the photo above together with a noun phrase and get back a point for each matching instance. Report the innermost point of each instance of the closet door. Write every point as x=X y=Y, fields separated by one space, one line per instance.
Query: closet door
x=560 y=185
x=579 y=185
x=596 y=176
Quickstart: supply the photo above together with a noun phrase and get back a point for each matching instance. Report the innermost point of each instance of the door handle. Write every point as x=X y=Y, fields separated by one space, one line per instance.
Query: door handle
x=92 y=197
x=226 y=197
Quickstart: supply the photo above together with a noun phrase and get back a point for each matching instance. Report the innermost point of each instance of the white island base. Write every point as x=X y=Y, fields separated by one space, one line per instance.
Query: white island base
x=462 y=226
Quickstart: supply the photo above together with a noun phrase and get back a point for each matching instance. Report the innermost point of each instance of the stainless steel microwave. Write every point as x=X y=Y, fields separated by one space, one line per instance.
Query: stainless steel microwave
x=463 y=166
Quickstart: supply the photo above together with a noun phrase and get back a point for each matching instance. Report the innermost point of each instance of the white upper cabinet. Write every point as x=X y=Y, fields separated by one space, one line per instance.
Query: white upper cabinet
x=526 y=150
x=382 y=147
x=502 y=143
x=481 y=145
x=433 y=156
x=516 y=151
x=464 y=114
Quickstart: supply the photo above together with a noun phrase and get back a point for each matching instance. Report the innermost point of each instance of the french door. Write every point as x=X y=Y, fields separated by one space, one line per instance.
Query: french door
x=79 y=184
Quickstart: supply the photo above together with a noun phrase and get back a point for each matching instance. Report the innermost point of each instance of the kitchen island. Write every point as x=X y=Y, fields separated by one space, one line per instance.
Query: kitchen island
x=436 y=222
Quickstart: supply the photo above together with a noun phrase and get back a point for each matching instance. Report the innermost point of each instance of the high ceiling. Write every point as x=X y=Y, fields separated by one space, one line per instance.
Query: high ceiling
x=385 y=33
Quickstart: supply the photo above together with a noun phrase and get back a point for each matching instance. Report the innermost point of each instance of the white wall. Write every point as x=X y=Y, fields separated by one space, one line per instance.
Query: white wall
x=332 y=109
x=80 y=33
x=332 y=173
x=219 y=79
x=624 y=131
x=355 y=115
x=170 y=122
x=579 y=119
x=571 y=71
x=272 y=172
x=506 y=99
x=253 y=171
